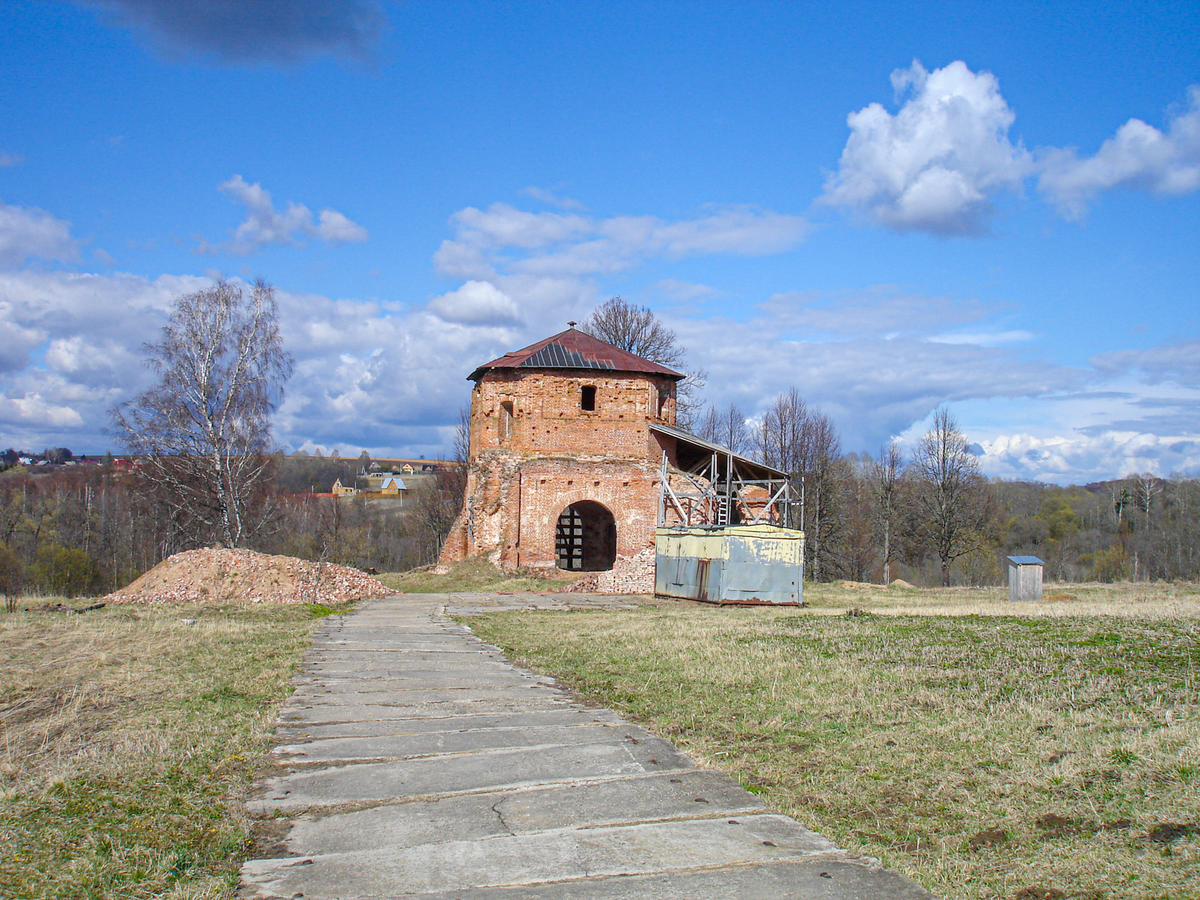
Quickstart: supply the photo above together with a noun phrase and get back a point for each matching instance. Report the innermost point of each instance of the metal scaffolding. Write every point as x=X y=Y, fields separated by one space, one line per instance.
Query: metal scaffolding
x=715 y=487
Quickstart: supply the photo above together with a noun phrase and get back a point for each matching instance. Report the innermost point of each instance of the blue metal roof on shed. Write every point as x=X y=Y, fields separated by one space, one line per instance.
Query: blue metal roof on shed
x=1025 y=561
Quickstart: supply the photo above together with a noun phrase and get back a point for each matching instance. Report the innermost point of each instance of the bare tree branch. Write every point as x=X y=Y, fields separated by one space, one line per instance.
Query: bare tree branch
x=205 y=427
x=638 y=330
x=952 y=494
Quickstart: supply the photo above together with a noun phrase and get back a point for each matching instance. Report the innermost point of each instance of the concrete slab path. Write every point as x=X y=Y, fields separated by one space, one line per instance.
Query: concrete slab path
x=415 y=760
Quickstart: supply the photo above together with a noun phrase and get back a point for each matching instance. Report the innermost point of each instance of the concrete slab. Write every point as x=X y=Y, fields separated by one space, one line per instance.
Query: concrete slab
x=546 y=808
x=417 y=761
x=561 y=855
x=566 y=715
x=792 y=879
x=457 y=773
x=392 y=746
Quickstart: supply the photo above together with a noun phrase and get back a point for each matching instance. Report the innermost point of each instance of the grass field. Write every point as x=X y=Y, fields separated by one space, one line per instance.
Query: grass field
x=476 y=575
x=1052 y=754
x=1049 y=755
x=129 y=735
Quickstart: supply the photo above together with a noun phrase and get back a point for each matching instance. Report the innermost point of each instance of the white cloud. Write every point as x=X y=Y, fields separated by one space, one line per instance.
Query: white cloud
x=881 y=312
x=32 y=233
x=502 y=225
x=551 y=198
x=337 y=229
x=547 y=244
x=476 y=303
x=32 y=408
x=1178 y=362
x=1137 y=156
x=265 y=226
x=983 y=339
x=1082 y=458
x=683 y=291
x=935 y=164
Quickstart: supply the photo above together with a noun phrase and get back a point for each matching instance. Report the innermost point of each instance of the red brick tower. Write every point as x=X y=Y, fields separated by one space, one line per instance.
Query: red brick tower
x=563 y=464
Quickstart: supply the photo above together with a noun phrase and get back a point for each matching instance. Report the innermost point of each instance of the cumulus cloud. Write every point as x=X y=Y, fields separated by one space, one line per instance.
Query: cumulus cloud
x=69 y=349
x=1081 y=458
x=476 y=303
x=32 y=233
x=266 y=226
x=868 y=361
x=32 y=408
x=1137 y=156
x=935 y=165
x=251 y=31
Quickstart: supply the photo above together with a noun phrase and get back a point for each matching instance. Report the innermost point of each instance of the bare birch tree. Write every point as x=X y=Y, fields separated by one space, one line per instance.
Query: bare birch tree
x=883 y=474
x=727 y=428
x=639 y=331
x=204 y=428
x=804 y=443
x=952 y=495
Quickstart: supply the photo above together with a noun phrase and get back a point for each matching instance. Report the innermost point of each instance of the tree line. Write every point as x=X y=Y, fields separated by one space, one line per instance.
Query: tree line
x=933 y=518
x=88 y=531
x=206 y=475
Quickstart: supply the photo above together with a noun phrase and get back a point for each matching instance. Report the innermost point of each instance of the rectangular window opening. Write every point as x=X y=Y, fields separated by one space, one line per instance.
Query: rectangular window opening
x=587 y=399
x=506 y=416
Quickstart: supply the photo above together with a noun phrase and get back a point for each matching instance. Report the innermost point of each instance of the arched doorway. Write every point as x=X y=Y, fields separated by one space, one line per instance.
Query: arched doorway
x=585 y=538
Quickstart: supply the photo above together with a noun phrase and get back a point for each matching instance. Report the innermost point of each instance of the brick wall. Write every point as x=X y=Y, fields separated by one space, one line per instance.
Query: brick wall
x=541 y=412
x=535 y=451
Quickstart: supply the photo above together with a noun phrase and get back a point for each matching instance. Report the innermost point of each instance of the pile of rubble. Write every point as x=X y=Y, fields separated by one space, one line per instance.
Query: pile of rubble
x=243 y=576
x=634 y=575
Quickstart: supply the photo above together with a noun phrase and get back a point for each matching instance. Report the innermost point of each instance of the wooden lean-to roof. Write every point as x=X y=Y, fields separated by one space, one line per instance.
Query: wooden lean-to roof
x=573 y=349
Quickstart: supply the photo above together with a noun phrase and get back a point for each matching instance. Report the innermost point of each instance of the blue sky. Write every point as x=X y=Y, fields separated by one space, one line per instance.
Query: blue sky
x=888 y=207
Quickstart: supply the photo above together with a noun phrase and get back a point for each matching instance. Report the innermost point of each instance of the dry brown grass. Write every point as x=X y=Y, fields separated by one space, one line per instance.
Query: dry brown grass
x=986 y=755
x=476 y=575
x=127 y=736
x=1142 y=600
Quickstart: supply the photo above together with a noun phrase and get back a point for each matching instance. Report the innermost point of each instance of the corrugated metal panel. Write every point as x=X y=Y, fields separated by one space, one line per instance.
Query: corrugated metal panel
x=556 y=356
x=739 y=564
x=576 y=350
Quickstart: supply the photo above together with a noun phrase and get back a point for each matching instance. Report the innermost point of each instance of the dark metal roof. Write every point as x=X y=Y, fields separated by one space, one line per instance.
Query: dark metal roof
x=748 y=466
x=572 y=349
x=556 y=356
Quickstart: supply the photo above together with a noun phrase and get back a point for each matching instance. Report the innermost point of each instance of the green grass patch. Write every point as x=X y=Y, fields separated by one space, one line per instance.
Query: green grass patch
x=476 y=575
x=982 y=755
x=132 y=734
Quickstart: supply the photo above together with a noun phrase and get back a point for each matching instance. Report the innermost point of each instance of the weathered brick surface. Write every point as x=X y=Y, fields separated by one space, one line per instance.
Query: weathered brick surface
x=535 y=450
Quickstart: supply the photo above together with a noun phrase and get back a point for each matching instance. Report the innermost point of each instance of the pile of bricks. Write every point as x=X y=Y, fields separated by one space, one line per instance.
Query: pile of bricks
x=243 y=576
x=634 y=575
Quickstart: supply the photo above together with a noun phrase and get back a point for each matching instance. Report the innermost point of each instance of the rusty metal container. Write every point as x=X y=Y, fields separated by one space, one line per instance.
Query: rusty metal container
x=739 y=565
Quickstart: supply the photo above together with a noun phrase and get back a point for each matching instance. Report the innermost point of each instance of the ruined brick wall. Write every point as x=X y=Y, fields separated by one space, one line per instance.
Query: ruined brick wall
x=536 y=449
x=513 y=504
x=542 y=412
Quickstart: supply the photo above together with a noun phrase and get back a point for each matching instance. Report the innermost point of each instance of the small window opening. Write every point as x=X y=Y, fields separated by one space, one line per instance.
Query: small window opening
x=506 y=417
x=587 y=399
x=662 y=403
